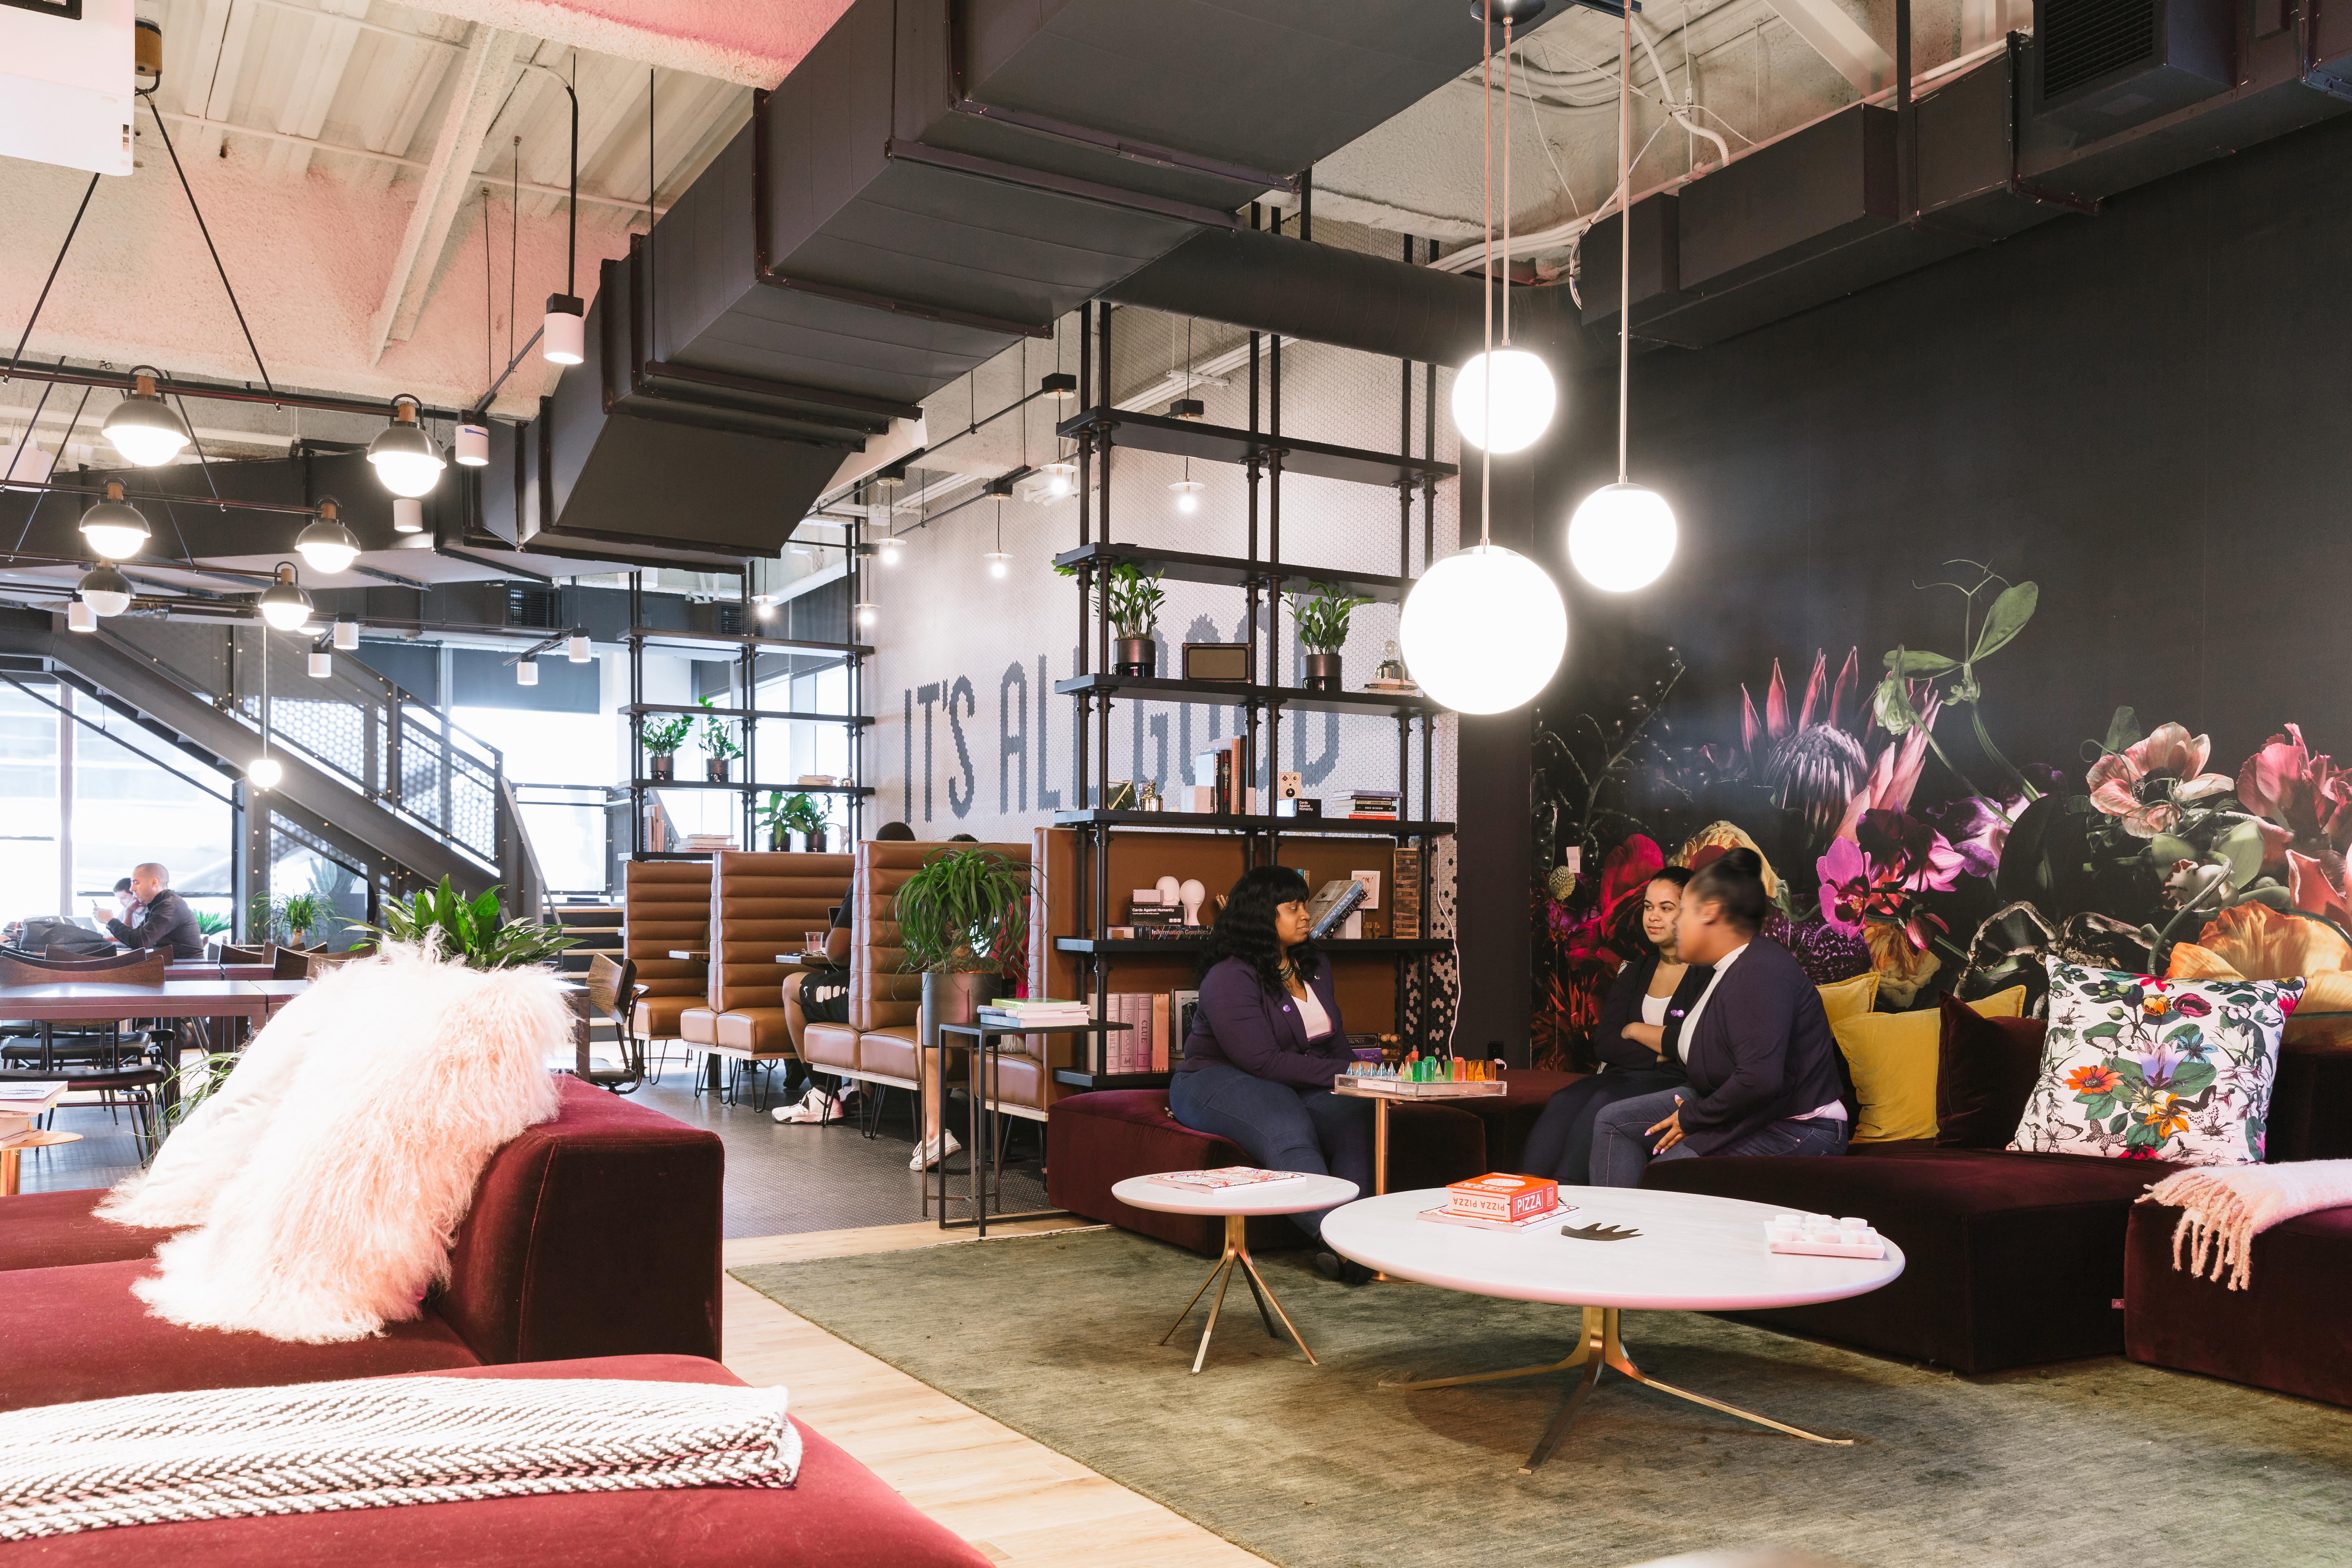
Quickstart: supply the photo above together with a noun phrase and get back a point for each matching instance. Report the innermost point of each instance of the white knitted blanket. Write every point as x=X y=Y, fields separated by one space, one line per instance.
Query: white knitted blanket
x=2224 y=1207
x=233 y=1453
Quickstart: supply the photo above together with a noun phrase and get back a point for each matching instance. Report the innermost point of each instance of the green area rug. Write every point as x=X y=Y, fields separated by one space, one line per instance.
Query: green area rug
x=2101 y=1462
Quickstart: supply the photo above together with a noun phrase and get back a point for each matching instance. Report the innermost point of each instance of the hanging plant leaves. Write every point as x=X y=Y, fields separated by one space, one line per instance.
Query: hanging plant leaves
x=2006 y=618
x=2123 y=730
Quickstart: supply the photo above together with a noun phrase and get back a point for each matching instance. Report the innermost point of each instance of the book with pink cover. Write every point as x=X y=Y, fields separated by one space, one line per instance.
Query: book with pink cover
x=1225 y=1177
x=1440 y=1215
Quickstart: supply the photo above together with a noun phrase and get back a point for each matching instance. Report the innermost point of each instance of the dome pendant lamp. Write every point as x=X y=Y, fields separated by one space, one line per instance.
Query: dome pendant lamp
x=1484 y=630
x=114 y=527
x=143 y=427
x=106 y=591
x=404 y=456
x=1624 y=535
x=284 y=605
x=1504 y=398
x=327 y=546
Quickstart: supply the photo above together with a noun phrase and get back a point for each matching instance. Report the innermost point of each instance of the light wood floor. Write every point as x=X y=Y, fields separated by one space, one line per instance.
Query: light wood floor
x=1018 y=1502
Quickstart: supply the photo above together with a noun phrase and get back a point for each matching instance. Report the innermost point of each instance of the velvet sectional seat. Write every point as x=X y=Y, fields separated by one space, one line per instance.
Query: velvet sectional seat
x=594 y=1234
x=838 y=1515
x=2287 y=1330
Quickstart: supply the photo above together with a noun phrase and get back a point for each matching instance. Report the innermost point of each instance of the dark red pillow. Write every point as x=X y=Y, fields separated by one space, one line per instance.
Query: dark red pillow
x=1985 y=1071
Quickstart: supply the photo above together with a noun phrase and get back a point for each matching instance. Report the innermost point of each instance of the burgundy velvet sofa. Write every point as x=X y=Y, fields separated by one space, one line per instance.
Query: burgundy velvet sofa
x=597 y=1234
x=838 y=1513
x=1092 y=1142
x=2013 y=1260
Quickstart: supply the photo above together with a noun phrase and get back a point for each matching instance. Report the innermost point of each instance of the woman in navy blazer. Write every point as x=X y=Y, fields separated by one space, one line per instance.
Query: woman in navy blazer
x=1266 y=1040
x=1757 y=1046
x=1641 y=1025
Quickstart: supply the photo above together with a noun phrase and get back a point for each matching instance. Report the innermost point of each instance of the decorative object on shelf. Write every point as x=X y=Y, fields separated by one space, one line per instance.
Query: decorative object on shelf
x=1147 y=798
x=961 y=916
x=1390 y=676
x=1287 y=787
x=1192 y=894
x=1170 y=891
x=816 y=781
x=1503 y=398
x=1322 y=623
x=1622 y=536
x=1135 y=598
x=468 y=931
x=1299 y=806
x=662 y=737
x=1121 y=796
x=719 y=743
x=1219 y=661
x=783 y=817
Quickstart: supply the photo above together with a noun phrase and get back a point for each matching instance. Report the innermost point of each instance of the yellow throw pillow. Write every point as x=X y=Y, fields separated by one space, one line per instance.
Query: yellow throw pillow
x=1893 y=1056
x=1850 y=998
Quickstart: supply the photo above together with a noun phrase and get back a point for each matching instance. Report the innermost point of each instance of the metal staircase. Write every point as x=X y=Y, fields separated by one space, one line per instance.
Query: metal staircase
x=369 y=767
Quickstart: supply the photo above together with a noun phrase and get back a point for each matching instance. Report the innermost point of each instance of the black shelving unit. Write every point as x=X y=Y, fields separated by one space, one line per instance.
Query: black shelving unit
x=1262 y=573
x=745 y=649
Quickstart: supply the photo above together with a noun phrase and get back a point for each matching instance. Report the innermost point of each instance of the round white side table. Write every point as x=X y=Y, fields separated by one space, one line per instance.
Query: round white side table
x=1237 y=1205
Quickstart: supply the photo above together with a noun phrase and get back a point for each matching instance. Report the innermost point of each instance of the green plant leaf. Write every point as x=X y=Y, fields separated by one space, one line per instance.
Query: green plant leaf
x=2123 y=730
x=1919 y=661
x=2241 y=847
x=2006 y=618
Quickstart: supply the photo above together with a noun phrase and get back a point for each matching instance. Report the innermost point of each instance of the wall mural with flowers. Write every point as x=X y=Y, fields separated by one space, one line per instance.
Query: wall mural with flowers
x=1899 y=837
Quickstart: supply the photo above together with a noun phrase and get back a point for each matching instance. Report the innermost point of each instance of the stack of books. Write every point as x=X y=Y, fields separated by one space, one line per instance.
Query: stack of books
x=1225 y=1177
x=1221 y=778
x=1499 y=1201
x=22 y=1105
x=706 y=843
x=1143 y=1046
x=1375 y=804
x=1034 y=1013
x=1173 y=933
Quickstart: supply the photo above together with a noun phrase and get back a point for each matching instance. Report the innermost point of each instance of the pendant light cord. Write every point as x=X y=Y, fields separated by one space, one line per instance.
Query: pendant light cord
x=1486 y=359
x=1625 y=231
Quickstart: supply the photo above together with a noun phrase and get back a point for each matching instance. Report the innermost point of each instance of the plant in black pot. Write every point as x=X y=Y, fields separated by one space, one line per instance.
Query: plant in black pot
x=783 y=817
x=719 y=744
x=1322 y=624
x=1135 y=600
x=663 y=738
x=961 y=917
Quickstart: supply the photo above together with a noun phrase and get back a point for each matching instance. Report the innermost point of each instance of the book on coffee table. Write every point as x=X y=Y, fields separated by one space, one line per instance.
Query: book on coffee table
x=1225 y=1177
x=1441 y=1216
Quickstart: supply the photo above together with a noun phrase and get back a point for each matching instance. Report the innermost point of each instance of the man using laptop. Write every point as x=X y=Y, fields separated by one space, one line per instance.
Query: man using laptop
x=167 y=921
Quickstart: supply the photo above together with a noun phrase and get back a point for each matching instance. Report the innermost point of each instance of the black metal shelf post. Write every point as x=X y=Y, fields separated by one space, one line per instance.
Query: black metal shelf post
x=1264 y=457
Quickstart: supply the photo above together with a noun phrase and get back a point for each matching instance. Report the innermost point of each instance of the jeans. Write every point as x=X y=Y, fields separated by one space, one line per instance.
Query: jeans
x=1561 y=1144
x=1621 y=1141
x=1281 y=1127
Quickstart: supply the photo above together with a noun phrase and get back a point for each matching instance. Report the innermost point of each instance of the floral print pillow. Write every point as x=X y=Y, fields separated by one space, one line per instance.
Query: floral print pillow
x=2137 y=1067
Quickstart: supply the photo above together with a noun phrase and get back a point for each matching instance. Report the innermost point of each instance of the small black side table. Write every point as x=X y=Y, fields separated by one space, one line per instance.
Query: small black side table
x=985 y=1055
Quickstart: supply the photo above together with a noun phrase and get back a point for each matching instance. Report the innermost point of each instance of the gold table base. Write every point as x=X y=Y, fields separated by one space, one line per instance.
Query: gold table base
x=1236 y=1251
x=1600 y=1346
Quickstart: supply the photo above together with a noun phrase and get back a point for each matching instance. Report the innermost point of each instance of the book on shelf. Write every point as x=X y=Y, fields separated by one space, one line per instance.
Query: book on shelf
x=1225 y=1177
x=1405 y=894
x=1332 y=904
x=1182 y=1006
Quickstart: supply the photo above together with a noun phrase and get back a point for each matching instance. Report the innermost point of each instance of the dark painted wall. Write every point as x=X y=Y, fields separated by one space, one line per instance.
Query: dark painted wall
x=2148 y=412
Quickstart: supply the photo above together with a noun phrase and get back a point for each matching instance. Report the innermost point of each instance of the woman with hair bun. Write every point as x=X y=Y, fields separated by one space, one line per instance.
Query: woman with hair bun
x=1755 y=1044
x=1266 y=1040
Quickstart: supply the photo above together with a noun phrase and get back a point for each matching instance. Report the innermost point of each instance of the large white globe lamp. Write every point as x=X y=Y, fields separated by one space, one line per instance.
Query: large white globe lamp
x=1503 y=400
x=1621 y=538
x=264 y=772
x=1482 y=631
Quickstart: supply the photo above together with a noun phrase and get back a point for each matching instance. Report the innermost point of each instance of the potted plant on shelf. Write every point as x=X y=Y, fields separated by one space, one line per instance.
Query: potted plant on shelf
x=783 y=817
x=1135 y=600
x=719 y=744
x=663 y=738
x=300 y=914
x=961 y=916
x=1322 y=624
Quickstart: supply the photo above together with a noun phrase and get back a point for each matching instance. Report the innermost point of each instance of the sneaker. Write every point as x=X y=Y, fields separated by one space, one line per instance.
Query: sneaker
x=813 y=1109
x=928 y=1152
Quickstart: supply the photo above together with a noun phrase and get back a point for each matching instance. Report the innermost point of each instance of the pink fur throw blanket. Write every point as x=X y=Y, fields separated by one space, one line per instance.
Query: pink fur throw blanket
x=319 y=1188
x=2223 y=1209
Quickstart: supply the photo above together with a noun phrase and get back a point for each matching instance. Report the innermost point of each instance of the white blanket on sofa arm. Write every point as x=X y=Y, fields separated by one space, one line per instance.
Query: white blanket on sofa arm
x=2224 y=1207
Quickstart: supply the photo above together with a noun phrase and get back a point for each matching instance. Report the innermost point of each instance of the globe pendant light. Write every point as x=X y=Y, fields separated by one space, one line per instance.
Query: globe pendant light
x=865 y=610
x=1061 y=476
x=264 y=772
x=327 y=545
x=143 y=427
x=284 y=605
x=1624 y=535
x=114 y=527
x=404 y=456
x=1504 y=398
x=1484 y=630
x=106 y=591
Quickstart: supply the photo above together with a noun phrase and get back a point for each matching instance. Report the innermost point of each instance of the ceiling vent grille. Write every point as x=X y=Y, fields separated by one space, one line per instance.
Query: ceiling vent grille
x=2105 y=66
x=534 y=610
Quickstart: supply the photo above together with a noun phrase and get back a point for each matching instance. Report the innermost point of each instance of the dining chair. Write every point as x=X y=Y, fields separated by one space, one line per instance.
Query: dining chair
x=613 y=996
x=289 y=963
x=320 y=965
x=86 y=1044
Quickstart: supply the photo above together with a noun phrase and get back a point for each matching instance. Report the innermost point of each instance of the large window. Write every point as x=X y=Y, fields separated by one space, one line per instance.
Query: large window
x=561 y=765
x=28 y=806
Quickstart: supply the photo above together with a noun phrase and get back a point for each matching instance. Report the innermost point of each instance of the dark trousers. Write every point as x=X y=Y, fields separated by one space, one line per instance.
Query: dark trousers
x=1561 y=1144
x=1623 y=1145
x=1281 y=1127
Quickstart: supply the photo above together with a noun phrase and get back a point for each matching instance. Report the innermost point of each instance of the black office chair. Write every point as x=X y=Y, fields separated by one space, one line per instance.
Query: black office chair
x=612 y=995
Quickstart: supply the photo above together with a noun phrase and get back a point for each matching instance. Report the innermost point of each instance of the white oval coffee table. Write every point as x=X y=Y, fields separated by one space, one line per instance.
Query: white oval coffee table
x=1624 y=1247
x=1304 y=1194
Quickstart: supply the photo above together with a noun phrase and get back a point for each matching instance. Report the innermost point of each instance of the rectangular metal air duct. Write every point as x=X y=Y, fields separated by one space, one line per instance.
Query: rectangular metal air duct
x=2101 y=66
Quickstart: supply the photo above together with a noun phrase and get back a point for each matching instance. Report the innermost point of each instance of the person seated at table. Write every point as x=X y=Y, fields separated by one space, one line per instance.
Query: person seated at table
x=1641 y=1024
x=127 y=907
x=1267 y=1041
x=166 y=921
x=824 y=998
x=1756 y=1042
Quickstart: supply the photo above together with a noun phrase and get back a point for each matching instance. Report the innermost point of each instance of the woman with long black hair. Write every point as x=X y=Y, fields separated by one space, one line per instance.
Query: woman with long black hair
x=1266 y=1040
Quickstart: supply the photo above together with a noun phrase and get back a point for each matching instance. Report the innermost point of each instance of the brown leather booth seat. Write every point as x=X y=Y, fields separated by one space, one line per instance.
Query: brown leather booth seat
x=665 y=905
x=761 y=905
x=882 y=1039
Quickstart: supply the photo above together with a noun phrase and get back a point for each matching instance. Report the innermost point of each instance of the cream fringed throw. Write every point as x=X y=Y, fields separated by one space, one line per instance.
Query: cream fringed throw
x=232 y=1453
x=2224 y=1208
x=326 y=1180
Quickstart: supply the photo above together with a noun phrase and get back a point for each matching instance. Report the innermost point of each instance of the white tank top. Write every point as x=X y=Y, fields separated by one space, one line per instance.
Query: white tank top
x=1654 y=1010
x=1317 y=1022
